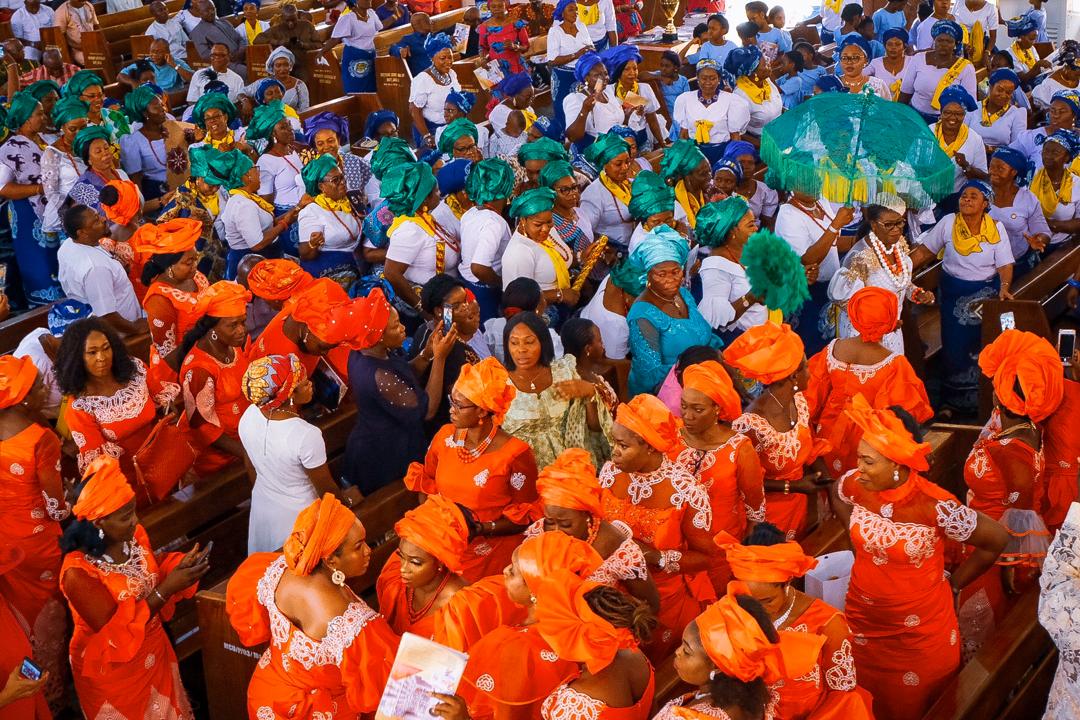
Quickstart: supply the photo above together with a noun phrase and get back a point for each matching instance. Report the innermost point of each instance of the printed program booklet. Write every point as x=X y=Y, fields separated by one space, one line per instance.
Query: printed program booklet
x=420 y=668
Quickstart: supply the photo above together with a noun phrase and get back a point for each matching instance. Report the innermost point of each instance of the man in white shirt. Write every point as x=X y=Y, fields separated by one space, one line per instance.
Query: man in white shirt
x=89 y=274
x=26 y=24
x=219 y=70
x=168 y=29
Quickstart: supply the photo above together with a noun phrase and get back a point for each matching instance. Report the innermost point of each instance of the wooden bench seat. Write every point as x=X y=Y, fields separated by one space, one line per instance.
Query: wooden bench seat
x=442 y=22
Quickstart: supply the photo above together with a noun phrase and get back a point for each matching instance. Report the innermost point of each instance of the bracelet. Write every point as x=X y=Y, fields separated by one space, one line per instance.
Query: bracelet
x=669 y=561
x=160 y=596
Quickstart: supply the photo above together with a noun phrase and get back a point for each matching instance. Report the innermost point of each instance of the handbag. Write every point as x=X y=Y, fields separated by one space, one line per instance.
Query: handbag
x=162 y=461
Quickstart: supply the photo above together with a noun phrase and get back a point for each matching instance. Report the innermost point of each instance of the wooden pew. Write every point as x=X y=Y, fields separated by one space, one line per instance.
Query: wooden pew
x=98 y=54
x=322 y=71
x=54 y=37
x=140 y=46
x=256 y=57
x=15 y=328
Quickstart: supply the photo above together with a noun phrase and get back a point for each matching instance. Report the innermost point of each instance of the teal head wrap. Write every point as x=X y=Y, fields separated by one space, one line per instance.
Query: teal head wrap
x=649 y=195
x=264 y=120
x=391 y=151
x=716 y=219
x=67 y=109
x=209 y=101
x=221 y=169
x=453 y=132
x=543 y=149
x=604 y=149
x=661 y=244
x=136 y=102
x=86 y=137
x=555 y=171
x=315 y=171
x=629 y=276
x=679 y=160
x=406 y=187
x=42 y=88
x=490 y=180
x=22 y=106
x=532 y=202
x=77 y=84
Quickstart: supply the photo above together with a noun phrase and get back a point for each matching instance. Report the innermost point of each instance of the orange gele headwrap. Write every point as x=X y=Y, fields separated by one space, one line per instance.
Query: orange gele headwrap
x=887 y=434
x=540 y=556
x=315 y=308
x=570 y=482
x=1025 y=358
x=278 y=279
x=766 y=353
x=739 y=647
x=105 y=491
x=873 y=313
x=175 y=236
x=487 y=384
x=765 y=563
x=438 y=527
x=572 y=629
x=223 y=299
x=711 y=379
x=649 y=417
x=367 y=316
x=127 y=206
x=319 y=530
x=17 y=375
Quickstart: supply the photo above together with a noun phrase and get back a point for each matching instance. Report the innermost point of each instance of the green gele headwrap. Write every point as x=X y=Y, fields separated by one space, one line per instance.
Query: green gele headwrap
x=406 y=187
x=315 y=171
x=22 y=106
x=490 y=180
x=136 y=102
x=679 y=160
x=543 y=149
x=606 y=148
x=453 y=132
x=81 y=80
x=210 y=101
x=41 y=88
x=86 y=137
x=649 y=195
x=264 y=120
x=629 y=276
x=217 y=168
x=555 y=171
x=716 y=219
x=391 y=151
x=67 y=109
x=532 y=202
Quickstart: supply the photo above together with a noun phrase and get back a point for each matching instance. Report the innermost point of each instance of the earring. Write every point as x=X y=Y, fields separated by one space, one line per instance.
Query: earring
x=532 y=599
x=100 y=534
x=170 y=273
x=213 y=335
x=338 y=578
x=896 y=476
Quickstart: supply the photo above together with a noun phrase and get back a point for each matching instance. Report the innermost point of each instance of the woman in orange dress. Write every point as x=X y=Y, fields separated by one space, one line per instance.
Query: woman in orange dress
x=572 y=501
x=778 y=423
x=212 y=373
x=113 y=407
x=732 y=654
x=722 y=460
x=312 y=325
x=20 y=697
x=120 y=594
x=599 y=628
x=768 y=565
x=421 y=590
x=330 y=653
x=512 y=669
x=173 y=284
x=32 y=506
x=900 y=602
x=473 y=462
x=667 y=510
x=272 y=282
x=861 y=365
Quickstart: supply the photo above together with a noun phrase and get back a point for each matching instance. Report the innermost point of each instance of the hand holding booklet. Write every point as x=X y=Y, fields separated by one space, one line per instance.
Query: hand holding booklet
x=420 y=668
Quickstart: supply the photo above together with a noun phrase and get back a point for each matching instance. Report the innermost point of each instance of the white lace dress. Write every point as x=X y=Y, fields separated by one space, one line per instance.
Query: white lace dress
x=1059 y=613
x=863 y=267
x=59 y=171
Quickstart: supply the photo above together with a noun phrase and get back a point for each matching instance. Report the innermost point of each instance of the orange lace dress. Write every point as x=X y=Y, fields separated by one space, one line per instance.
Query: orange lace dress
x=498 y=483
x=213 y=403
x=899 y=603
x=701 y=704
x=1061 y=449
x=566 y=703
x=733 y=477
x=170 y=313
x=127 y=668
x=340 y=676
x=16 y=646
x=784 y=456
x=663 y=509
x=833 y=383
x=626 y=563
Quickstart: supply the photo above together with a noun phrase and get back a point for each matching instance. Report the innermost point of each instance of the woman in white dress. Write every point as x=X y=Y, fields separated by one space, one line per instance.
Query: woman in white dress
x=247 y=219
x=591 y=109
x=329 y=227
x=535 y=251
x=60 y=165
x=997 y=119
x=639 y=103
x=287 y=452
x=763 y=200
x=708 y=116
x=964 y=146
x=892 y=66
x=1059 y=613
x=726 y=301
x=941 y=66
x=854 y=53
x=429 y=89
x=1065 y=77
x=754 y=85
x=279 y=167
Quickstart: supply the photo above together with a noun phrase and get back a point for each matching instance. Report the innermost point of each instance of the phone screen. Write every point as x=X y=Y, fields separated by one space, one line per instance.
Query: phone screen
x=1008 y=321
x=1066 y=344
x=447 y=319
x=29 y=670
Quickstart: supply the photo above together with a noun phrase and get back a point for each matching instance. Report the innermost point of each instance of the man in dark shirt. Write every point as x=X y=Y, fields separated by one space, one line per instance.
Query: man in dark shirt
x=411 y=48
x=292 y=32
x=212 y=31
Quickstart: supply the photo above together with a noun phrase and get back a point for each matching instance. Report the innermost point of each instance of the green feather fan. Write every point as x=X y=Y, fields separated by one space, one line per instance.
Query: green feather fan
x=775 y=272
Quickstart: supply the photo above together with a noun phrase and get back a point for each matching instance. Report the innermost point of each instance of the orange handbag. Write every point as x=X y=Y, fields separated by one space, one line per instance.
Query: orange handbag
x=163 y=460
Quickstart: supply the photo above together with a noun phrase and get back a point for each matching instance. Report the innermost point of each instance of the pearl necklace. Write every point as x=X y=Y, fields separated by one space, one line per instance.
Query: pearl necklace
x=778 y=622
x=899 y=279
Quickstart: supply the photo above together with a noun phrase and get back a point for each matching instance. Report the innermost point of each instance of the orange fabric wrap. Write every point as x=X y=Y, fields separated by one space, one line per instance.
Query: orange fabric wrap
x=711 y=379
x=766 y=353
x=765 y=563
x=106 y=489
x=539 y=557
x=570 y=482
x=319 y=529
x=648 y=417
x=886 y=434
x=367 y=316
x=1025 y=358
x=438 y=527
x=487 y=384
x=127 y=206
x=315 y=308
x=223 y=299
x=278 y=279
x=565 y=620
x=873 y=313
x=17 y=375
x=175 y=236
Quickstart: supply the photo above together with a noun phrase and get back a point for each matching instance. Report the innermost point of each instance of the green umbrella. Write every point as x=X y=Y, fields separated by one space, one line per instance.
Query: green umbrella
x=850 y=148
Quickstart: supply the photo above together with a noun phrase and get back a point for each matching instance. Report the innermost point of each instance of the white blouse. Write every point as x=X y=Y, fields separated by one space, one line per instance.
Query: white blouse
x=605 y=24
x=59 y=171
x=921 y=80
x=525 y=258
x=637 y=122
x=484 y=236
x=1059 y=613
x=1005 y=129
x=800 y=230
x=764 y=202
x=976 y=267
x=358 y=33
x=760 y=115
x=729 y=114
x=430 y=96
x=340 y=230
x=613 y=328
x=411 y=246
x=559 y=42
x=1043 y=93
x=973 y=150
x=244 y=222
x=1067 y=211
x=606 y=213
x=723 y=282
x=877 y=69
x=602 y=117
x=279 y=177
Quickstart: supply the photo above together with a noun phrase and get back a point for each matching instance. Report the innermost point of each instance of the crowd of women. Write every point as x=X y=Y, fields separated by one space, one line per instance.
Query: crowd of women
x=554 y=337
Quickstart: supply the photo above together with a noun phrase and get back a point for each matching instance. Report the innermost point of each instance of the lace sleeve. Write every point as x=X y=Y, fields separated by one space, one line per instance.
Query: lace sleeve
x=956 y=520
x=646 y=360
x=750 y=477
x=837 y=663
x=1059 y=603
x=200 y=405
x=394 y=392
x=47 y=460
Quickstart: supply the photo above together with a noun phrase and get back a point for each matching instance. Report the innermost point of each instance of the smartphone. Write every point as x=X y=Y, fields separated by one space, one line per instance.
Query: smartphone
x=3 y=277
x=1008 y=321
x=447 y=319
x=206 y=550
x=29 y=670
x=598 y=86
x=1066 y=344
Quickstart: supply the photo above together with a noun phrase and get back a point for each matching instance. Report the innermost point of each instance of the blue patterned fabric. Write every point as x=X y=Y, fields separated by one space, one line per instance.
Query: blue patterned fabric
x=961 y=336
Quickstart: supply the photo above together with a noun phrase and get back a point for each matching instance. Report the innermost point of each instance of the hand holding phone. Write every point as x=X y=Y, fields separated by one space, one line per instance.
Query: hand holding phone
x=447 y=319
x=1066 y=344
x=29 y=670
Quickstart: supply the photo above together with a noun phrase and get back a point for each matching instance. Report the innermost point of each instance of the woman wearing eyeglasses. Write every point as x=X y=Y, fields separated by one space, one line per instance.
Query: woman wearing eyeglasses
x=854 y=56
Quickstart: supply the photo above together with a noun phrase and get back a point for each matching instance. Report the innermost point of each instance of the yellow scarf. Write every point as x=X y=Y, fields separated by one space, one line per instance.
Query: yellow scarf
x=988 y=119
x=949 y=78
x=342 y=206
x=1025 y=56
x=834 y=5
x=423 y=219
x=251 y=32
x=702 y=128
x=965 y=243
x=216 y=144
x=978 y=42
x=211 y=202
x=961 y=137
x=264 y=204
x=757 y=93
x=895 y=88
x=620 y=93
x=621 y=192
x=690 y=203
x=530 y=117
x=1049 y=198
x=590 y=14
x=455 y=206
x=562 y=272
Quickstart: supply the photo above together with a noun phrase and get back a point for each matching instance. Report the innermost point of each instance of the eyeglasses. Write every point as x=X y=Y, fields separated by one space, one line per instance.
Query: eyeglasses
x=465 y=148
x=894 y=224
x=568 y=189
x=459 y=405
x=337 y=179
x=851 y=58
